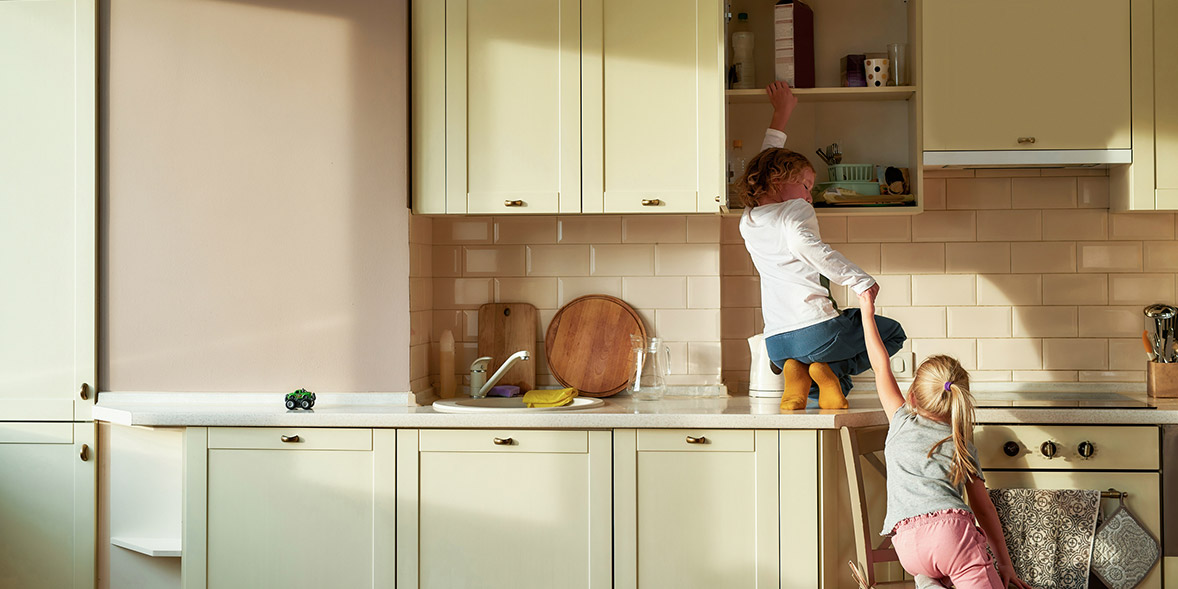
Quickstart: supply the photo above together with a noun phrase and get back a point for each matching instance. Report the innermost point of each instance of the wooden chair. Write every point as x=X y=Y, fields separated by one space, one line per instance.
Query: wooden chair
x=862 y=445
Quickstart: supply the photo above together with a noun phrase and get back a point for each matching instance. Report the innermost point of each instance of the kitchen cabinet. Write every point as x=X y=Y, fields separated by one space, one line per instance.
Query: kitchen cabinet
x=1013 y=75
x=566 y=107
x=289 y=507
x=48 y=507
x=653 y=106
x=511 y=509
x=1151 y=183
x=47 y=229
x=691 y=508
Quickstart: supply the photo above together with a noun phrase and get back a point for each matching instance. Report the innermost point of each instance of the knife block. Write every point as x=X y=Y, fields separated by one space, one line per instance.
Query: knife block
x=1162 y=380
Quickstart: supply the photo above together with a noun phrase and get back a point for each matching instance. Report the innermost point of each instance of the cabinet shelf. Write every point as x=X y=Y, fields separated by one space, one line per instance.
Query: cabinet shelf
x=165 y=547
x=858 y=94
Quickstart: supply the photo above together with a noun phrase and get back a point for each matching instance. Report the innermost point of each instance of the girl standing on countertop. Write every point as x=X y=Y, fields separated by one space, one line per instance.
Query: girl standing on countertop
x=814 y=344
x=930 y=456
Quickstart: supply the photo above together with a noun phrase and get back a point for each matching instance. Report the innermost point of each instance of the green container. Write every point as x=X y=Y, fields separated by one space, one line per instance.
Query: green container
x=851 y=172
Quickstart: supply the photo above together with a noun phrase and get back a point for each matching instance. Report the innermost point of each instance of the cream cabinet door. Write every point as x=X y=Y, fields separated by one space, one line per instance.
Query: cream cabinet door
x=1056 y=71
x=47 y=196
x=509 y=509
x=696 y=508
x=48 y=509
x=653 y=106
x=1166 y=102
x=290 y=507
x=512 y=107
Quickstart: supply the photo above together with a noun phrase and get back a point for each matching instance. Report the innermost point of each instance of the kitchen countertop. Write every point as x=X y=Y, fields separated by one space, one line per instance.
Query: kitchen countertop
x=396 y=410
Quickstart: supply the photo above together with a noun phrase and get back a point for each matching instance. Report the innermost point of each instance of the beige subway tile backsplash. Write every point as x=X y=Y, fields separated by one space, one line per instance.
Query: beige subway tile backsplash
x=1043 y=193
x=462 y=293
x=977 y=257
x=462 y=230
x=879 y=229
x=1038 y=322
x=833 y=229
x=1110 y=321
x=945 y=226
x=1141 y=226
x=541 y=292
x=668 y=292
x=654 y=229
x=1110 y=256
x=558 y=260
x=975 y=322
x=964 y=350
x=1075 y=289
x=687 y=260
x=944 y=289
x=1010 y=289
x=1140 y=289
x=912 y=258
x=893 y=290
x=703 y=292
x=918 y=322
x=864 y=255
x=740 y=291
x=977 y=193
x=1075 y=354
x=1075 y=224
x=589 y=229
x=1041 y=257
x=703 y=229
x=569 y=288
x=1010 y=354
x=1161 y=256
x=1092 y=193
x=525 y=230
x=502 y=260
x=735 y=261
x=621 y=260
x=934 y=194
x=690 y=325
x=1010 y=225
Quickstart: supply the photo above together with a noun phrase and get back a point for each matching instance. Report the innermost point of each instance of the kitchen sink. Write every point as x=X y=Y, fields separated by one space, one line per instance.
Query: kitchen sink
x=509 y=405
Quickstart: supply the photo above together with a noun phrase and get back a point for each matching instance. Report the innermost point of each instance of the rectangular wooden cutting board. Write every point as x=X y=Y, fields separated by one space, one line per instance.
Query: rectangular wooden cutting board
x=504 y=329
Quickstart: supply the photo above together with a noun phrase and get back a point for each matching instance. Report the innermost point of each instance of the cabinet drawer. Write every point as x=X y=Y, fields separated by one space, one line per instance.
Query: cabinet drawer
x=1113 y=447
x=271 y=438
x=661 y=202
x=709 y=440
x=36 y=433
x=561 y=442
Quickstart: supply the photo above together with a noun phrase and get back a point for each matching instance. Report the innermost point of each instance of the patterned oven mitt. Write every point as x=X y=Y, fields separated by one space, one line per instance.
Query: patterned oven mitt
x=1123 y=551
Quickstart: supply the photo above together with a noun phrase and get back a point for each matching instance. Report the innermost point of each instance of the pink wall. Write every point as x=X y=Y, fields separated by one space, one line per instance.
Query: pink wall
x=254 y=206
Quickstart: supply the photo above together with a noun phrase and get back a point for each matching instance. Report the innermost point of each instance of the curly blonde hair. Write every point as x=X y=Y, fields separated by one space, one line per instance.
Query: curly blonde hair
x=767 y=171
x=940 y=388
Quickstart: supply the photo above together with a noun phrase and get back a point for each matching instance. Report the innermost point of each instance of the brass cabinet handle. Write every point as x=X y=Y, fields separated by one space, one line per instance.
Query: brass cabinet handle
x=1026 y=140
x=291 y=439
x=504 y=441
x=84 y=391
x=513 y=203
x=699 y=440
x=651 y=202
x=85 y=453
x=717 y=199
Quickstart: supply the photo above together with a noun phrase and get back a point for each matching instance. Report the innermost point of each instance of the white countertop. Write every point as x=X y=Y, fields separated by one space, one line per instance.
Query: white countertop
x=395 y=410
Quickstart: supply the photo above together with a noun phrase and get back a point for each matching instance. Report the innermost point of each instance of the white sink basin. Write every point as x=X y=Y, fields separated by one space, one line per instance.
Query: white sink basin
x=509 y=405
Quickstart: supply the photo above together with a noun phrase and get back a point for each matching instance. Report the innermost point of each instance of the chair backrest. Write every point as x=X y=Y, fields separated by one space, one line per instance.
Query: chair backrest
x=861 y=445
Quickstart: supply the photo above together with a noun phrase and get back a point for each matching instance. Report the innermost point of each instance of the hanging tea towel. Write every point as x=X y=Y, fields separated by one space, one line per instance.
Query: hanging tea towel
x=1124 y=551
x=1049 y=534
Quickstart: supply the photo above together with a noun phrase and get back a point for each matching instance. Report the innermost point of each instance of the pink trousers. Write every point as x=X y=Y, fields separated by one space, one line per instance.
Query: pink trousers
x=946 y=545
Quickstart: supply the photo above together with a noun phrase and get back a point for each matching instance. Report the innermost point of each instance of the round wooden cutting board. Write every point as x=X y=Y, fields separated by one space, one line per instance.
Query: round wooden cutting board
x=588 y=344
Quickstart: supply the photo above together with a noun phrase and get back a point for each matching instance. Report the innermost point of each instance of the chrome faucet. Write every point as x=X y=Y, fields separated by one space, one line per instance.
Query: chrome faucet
x=479 y=385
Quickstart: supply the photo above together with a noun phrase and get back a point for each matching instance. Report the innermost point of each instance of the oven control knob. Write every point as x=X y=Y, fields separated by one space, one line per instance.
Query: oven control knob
x=1086 y=449
x=1011 y=449
x=1048 y=449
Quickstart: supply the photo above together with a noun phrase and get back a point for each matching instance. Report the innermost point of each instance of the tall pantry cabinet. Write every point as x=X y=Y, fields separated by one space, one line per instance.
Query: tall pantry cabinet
x=543 y=107
x=47 y=292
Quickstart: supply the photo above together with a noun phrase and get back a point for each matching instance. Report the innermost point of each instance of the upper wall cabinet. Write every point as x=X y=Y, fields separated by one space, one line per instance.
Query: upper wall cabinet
x=1012 y=75
x=543 y=107
x=1151 y=183
x=653 y=106
x=47 y=195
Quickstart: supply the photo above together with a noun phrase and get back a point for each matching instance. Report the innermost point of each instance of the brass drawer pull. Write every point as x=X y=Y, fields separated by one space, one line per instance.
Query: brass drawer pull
x=291 y=439
x=651 y=202
x=513 y=203
x=84 y=391
x=699 y=440
x=504 y=441
x=1026 y=140
x=85 y=453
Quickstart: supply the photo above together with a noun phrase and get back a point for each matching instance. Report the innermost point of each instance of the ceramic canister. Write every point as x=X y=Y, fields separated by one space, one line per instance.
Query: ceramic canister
x=876 y=70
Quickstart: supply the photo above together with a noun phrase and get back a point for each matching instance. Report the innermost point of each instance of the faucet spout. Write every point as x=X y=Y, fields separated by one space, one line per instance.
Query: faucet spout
x=479 y=391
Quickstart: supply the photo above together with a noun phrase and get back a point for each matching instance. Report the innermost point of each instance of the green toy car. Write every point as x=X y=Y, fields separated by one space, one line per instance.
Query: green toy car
x=300 y=399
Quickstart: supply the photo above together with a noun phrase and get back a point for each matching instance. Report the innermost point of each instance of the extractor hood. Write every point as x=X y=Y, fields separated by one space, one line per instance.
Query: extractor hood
x=1027 y=158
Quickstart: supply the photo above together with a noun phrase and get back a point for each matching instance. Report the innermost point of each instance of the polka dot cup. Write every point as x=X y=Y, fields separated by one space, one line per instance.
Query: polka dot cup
x=876 y=71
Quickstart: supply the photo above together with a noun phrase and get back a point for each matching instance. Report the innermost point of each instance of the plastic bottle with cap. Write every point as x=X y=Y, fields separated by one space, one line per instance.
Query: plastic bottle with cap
x=742 y=52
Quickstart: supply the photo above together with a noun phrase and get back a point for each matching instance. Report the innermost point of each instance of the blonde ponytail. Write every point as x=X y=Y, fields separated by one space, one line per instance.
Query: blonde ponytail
x=940 y=389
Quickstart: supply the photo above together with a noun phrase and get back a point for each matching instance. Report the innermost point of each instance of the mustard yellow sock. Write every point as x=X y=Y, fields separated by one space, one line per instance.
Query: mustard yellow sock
x=830 y=391
x=797 y=386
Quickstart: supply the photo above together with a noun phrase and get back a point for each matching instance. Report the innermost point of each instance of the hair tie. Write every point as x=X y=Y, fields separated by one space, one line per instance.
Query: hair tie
x=948 y=383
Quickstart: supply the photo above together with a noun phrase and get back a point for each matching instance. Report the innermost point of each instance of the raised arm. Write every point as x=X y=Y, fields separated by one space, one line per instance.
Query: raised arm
x=885 y=383
x=983 y=509
x=783 y=100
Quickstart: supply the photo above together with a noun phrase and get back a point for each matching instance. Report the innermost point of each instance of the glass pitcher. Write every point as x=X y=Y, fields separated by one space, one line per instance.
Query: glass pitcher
x=650 y=361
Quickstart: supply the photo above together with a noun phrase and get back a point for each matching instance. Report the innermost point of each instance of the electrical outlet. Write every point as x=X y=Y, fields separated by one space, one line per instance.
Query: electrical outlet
x=903 y=364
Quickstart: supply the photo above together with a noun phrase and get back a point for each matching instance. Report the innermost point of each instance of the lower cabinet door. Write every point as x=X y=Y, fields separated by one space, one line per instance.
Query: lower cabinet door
x=47 y=511
x=503 y=509
x=696 y=508
x=290 y=508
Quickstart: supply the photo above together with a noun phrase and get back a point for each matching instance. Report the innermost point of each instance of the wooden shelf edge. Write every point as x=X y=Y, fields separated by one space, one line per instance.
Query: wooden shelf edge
x=155 y=547
x=827 y=94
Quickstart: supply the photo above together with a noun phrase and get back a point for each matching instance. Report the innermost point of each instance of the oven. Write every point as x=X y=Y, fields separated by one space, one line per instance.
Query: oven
x=1125 y=458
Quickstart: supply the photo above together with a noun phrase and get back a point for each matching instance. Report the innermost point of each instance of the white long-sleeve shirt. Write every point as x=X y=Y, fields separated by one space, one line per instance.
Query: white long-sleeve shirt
x=789 y=253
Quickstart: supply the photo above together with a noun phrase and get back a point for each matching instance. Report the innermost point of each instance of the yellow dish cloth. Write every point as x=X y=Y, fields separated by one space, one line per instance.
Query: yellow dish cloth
x=550 y=398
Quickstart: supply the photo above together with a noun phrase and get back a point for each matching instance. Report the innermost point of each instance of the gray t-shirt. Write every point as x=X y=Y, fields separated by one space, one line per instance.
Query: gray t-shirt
x=918 y=484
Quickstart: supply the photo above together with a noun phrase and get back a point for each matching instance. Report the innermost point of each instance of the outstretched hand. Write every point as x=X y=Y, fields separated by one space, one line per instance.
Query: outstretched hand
x=1011 y=578
x=867 y=299
x=783 y=100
